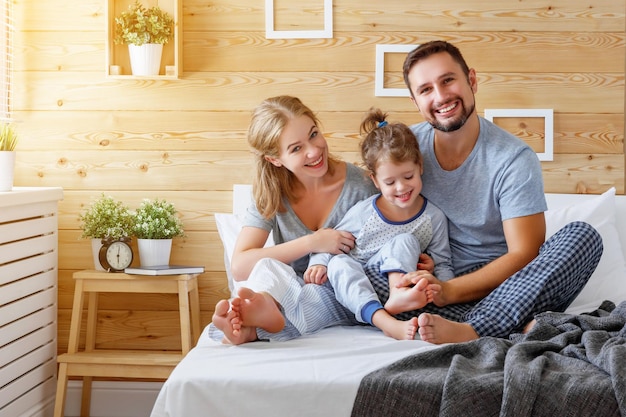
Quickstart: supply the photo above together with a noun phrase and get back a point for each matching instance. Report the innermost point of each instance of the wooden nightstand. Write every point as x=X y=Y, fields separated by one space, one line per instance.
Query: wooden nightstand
x=123 y=363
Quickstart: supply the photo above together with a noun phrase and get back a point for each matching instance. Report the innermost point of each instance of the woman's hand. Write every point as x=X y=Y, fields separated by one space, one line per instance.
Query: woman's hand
x=315 y=274
x=332 y=241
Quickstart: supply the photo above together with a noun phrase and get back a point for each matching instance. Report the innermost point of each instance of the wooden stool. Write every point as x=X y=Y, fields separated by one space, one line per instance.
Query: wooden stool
x=123 y=363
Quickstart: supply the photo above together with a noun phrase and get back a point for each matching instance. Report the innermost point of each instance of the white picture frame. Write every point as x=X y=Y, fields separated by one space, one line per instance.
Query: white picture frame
x=379 y=77
x=547 y=114
x=271 y=33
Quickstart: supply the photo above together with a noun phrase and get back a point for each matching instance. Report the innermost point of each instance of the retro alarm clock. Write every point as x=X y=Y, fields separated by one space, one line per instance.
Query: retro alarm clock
x=115 y=254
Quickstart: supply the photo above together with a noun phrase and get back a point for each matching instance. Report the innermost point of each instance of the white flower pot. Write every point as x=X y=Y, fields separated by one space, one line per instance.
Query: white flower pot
x=145 y=59
x=154 y=252
x=96 y=244
x=7 y=168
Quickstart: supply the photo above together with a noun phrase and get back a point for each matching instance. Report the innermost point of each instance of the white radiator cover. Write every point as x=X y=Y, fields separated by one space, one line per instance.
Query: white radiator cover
x=28 y=300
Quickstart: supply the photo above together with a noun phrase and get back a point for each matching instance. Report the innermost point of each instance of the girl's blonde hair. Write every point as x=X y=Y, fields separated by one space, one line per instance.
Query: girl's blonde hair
x=386 y=142
x=271 y=184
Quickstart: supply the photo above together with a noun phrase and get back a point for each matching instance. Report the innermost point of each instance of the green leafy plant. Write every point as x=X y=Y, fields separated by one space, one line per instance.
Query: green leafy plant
x=8 y=137
x=157 y=219
x=106 y=217
x=140 y=25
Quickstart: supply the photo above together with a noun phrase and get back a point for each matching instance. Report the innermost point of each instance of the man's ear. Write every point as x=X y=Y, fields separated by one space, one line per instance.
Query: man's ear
x=415 y=104
x=273 y=161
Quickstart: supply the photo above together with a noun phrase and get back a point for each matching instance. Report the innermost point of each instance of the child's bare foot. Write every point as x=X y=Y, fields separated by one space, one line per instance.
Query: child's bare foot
x=392 y=327
x=403 y=299
x=257 y=309
x=234 y=334
x=436 y=329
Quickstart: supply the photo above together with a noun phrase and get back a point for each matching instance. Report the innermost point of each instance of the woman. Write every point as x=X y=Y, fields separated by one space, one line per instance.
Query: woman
x=301 y=192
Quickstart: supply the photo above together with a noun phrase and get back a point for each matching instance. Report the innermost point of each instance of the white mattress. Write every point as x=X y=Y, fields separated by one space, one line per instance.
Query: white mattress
x=315 y=375
x=319 y=374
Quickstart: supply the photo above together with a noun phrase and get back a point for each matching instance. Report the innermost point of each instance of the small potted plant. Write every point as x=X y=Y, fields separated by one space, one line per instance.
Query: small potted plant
x=155 y=223
x=105 y=218
x=8 y=142
x=144 y=30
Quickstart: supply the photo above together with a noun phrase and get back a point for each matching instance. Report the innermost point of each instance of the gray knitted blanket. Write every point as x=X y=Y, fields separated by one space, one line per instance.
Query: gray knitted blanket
x=567 y=365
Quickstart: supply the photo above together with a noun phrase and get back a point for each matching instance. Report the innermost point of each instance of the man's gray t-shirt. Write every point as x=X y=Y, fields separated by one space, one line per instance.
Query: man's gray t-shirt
x=287 y=226
x=500 y=179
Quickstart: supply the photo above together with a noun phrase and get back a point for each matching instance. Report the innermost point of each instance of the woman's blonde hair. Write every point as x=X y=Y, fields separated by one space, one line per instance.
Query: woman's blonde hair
x=271 y=183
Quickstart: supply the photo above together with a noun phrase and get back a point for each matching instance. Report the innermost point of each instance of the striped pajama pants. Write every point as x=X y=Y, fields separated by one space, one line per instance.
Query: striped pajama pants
x=550 y=282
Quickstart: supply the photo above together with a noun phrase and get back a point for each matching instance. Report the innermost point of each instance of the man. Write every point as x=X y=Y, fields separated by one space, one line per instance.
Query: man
x=489 y=184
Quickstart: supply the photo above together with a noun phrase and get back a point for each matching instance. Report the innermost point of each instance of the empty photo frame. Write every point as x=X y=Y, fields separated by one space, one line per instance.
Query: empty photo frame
x=271 y=33
x=379 y=78
x=547 y=114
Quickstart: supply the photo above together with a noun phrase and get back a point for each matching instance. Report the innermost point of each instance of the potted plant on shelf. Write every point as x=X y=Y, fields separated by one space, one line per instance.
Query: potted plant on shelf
x=155 y=223
x=8 y=142
x=144 y=30
x=105 y=218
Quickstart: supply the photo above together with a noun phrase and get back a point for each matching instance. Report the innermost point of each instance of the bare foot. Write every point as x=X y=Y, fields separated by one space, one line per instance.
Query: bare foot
x=529 y=326
x=223 y=318
x=435 y=329
x=403 y=299
x=257 y=309
x=392 y=327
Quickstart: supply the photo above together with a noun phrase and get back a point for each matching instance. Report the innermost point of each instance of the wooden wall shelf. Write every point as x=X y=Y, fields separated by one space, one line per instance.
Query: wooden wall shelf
x=117 y=55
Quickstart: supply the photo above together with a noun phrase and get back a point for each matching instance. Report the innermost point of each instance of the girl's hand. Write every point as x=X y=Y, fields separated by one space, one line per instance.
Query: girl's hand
x=426 y=263
x=332 y=241
x=315 y=274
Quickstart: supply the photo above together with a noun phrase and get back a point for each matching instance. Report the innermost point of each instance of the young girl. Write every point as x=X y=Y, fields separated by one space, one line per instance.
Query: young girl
x=300 y=193
x=391 y=228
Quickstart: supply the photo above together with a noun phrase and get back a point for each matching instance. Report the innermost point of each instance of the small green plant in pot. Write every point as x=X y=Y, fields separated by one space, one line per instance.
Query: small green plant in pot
x=105 y=218
x=8 y=137
x=155 y=224
x=144 y=30
x=8 y=142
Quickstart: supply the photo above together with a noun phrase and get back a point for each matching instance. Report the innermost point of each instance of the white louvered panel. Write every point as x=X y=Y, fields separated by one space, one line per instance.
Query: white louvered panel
x=25 y=383
x=25 y=248
x=26 y=210
x=40 y=337
x=28 y=299
x=25 y=364
x=27 y=228
x=25 y=306
x=33 y=402
x=25 y=325
x=27 y=267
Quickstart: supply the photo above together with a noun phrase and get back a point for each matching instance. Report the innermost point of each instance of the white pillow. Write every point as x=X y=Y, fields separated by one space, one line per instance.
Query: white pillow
x=608 y=282
x=228 y=227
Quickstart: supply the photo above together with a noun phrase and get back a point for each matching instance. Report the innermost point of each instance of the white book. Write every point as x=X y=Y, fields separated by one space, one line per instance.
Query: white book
x=165 y=270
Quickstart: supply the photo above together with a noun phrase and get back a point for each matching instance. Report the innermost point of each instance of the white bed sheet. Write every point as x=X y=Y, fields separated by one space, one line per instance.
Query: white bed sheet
x=319 y=374
x=315 y=375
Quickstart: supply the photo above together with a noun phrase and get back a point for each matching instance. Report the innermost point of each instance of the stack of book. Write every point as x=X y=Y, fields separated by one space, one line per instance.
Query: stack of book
x=164 y=270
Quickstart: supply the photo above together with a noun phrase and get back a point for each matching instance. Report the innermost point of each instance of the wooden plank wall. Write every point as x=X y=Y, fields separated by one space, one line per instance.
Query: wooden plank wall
x=184 y=140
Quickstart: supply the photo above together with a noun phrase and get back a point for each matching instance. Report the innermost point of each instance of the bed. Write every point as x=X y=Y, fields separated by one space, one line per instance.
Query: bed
x=570 y=361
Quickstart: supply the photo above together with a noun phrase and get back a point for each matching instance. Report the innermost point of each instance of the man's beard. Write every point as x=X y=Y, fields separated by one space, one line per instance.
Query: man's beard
x=453 y=125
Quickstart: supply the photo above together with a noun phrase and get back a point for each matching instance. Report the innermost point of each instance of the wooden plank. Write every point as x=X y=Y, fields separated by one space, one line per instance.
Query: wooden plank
x=226 y=131
x=398 y=15
x=195 y=208
x=602 y=92
x=134 y=170
x=550 y=51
